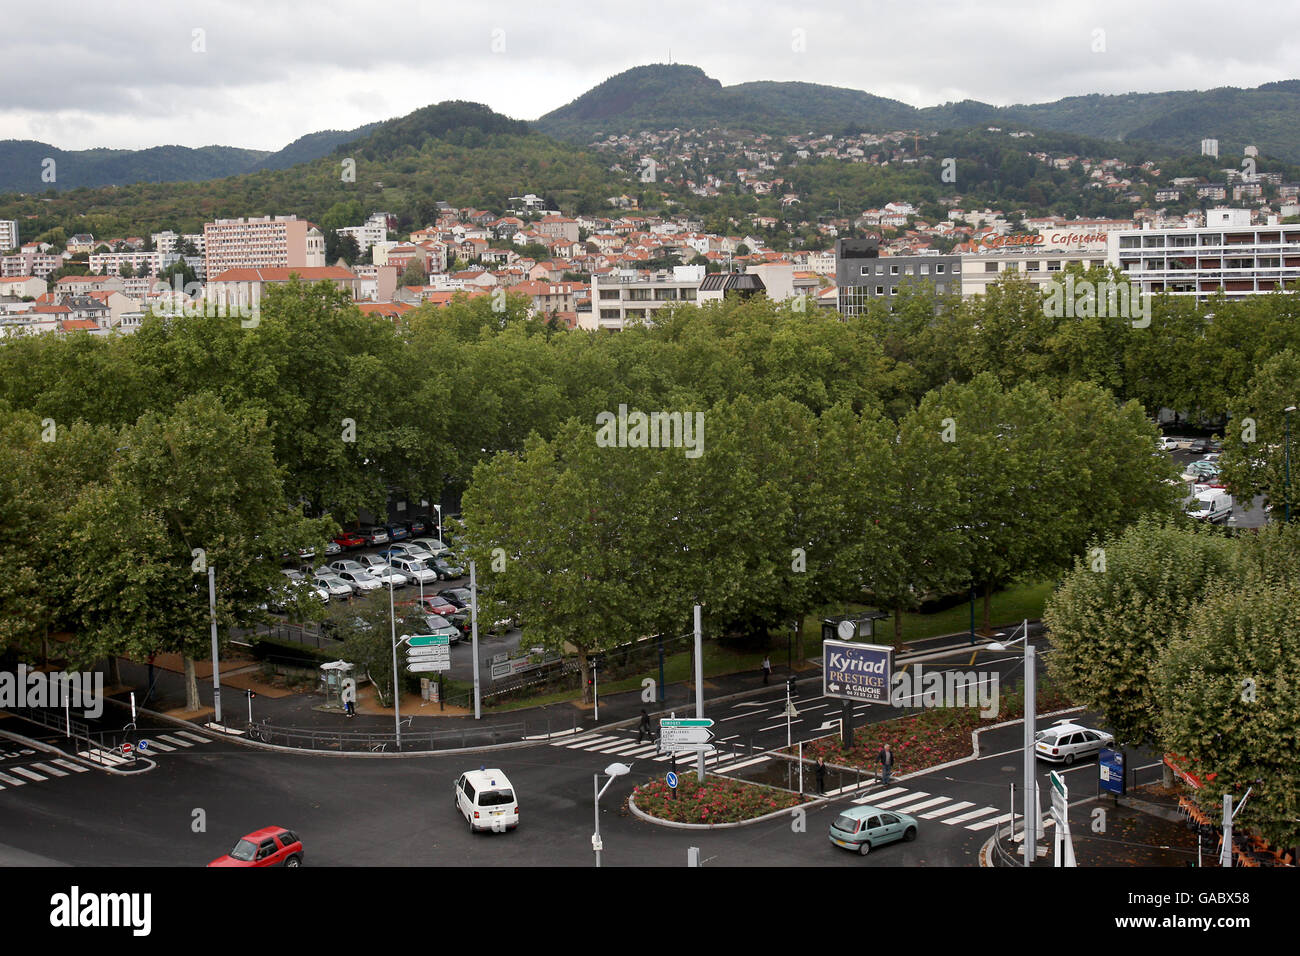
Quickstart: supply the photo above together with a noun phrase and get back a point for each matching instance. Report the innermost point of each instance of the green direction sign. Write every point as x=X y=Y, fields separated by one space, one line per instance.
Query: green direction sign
x=685 y=722
x=428 y=640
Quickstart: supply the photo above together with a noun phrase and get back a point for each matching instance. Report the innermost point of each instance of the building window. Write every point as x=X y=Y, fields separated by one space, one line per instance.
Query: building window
x=1053 y=267
x=880 y=290
x=1032 y=266
x=866 y=270
x=991 y=267
x=893 y=290
x=938 y=268
x=893 y=270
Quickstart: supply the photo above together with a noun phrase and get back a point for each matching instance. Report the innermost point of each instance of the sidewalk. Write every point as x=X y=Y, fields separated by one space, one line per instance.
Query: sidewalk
x=301 y=708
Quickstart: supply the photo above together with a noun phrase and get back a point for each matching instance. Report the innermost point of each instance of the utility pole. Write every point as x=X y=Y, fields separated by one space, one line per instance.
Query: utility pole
x=473 y=618
x=216 y=666
x=699 y=684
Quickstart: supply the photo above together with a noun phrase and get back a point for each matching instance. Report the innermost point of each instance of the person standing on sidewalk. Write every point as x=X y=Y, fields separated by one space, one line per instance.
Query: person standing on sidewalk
x=821 y=775
x=886 y=763
x=643 y=729
x=767 y=668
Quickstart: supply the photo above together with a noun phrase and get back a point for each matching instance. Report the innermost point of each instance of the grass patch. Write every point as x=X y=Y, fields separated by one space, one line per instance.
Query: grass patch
x=719 y=800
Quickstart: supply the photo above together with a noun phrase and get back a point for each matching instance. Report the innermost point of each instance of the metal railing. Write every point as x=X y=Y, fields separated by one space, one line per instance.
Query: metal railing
x=413 y=739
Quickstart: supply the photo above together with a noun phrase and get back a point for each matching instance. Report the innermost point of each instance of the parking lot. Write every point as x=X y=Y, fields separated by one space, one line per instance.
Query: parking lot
x=1252 y=515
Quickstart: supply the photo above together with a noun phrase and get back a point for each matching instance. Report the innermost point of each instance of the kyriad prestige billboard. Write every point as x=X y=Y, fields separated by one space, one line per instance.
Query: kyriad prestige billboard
x=859 y=672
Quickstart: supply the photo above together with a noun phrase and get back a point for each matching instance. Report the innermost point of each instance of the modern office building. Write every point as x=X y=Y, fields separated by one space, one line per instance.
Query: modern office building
x=1229 y=254
x=280 y=242
x=862 y=275
x=1039 y=266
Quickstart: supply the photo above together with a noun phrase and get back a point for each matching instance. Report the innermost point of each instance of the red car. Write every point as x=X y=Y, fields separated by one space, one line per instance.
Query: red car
x=270 y=846
x=433 y=604
x=349 y=539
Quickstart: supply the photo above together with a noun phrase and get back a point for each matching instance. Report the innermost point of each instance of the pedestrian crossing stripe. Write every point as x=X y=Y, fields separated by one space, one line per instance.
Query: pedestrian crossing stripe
x=938 y=808
x=47 y=769
x=719 y=761
x=174 y=740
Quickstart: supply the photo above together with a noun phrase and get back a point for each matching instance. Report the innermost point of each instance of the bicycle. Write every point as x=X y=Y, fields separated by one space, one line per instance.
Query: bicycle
x=260 y=730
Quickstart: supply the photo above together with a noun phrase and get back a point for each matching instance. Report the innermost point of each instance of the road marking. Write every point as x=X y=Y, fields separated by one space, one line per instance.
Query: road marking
x=944 y=811
x=197 y=738
x=895 y=801
x=848 y=787
x=933 y=801
x=744 y=763
x=883 y=793
x=68 y=764
x=164 y=748
x=29 y=774
x=642 y=750
x=46 y=768
x=175 y=740
x=985 y=824
x=587 y=741
x=102 y=757
x=619 y=748
x=982 y=811
x=12 y=781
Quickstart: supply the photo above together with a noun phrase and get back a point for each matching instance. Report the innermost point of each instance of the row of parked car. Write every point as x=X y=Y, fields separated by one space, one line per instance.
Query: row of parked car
x=371 y=536
x=418 y=562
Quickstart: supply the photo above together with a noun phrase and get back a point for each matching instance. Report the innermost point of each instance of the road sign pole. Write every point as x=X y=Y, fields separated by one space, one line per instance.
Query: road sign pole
x=699 y=683
x=1030 y=843
x=397 y=693
x=216 y=667
x=595 y=688
x=473 y=622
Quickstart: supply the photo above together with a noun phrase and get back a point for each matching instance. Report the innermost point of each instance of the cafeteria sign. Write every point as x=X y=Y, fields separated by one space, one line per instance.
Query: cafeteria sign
x=858 y=672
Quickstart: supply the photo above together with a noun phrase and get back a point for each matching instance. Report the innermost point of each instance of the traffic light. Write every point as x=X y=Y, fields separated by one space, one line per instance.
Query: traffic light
x=251 y=695
x=789 y=686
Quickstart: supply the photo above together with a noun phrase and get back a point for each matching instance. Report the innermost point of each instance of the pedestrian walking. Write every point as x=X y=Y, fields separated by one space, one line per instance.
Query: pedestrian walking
x=886 y=763
x=767 y=668
x=349 y=708
x=821 y=775
x=643 y=729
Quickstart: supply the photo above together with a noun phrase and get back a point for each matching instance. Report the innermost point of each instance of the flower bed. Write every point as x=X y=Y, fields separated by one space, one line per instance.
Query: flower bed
x=719 y=800
x=923 y=740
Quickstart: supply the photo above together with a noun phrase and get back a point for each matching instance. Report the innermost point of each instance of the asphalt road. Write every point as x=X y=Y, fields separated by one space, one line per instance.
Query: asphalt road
x=375 y=811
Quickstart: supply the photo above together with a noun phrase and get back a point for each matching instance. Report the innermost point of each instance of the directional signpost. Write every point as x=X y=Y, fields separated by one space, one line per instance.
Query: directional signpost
x=427 y=652
x=1061 y=813
x=685 y=733
x=856 y=672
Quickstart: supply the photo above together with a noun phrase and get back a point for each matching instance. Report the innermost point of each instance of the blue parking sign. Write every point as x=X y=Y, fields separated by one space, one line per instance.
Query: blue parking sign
x=1110 y=767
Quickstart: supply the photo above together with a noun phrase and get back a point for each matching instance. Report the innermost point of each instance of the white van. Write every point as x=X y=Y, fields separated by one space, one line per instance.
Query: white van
x=487 y=801
x=1209 y=504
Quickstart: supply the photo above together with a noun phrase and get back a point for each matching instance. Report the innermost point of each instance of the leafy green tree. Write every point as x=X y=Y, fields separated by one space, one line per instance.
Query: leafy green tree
x=1255 y=452
x=1124 y=601
x=1228 y=701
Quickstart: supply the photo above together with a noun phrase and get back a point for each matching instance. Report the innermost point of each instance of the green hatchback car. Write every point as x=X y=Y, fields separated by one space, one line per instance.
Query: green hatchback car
x=864 y=828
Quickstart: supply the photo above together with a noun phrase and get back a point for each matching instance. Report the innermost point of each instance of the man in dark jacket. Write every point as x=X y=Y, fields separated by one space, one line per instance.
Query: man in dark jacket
x=821 y=775
x=886 y=763
x=643 y=729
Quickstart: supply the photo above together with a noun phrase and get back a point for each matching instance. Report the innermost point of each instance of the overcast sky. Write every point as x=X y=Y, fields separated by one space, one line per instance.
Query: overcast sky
x=260 y=74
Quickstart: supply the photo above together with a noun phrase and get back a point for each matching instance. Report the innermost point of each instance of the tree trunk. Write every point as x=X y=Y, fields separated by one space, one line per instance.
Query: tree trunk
x=988 y=595
x=584 y=669
x=898 y=625
x=798 y=638
x=114 y=672
x=191 y=685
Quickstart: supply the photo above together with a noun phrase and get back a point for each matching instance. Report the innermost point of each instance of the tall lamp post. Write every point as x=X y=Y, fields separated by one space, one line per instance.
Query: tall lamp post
x=1030 y=791
x=438 y=508
x=1286 y=416
x=615 y=770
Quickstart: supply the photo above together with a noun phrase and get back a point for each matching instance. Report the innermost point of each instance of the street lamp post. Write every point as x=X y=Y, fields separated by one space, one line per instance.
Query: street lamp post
x=397 y=707
x=1286 y=416
x=614 y=770
x=1030 y=791
x=438 y=508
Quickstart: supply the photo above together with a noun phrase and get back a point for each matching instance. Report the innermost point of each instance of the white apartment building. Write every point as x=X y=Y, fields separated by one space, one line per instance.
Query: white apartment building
x=626 y=296
x=166 y=242
x=111 y=263
x=8 y=234
x=280 y=242
x=373 y=230
x=1228 y=254
x=30 y=264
